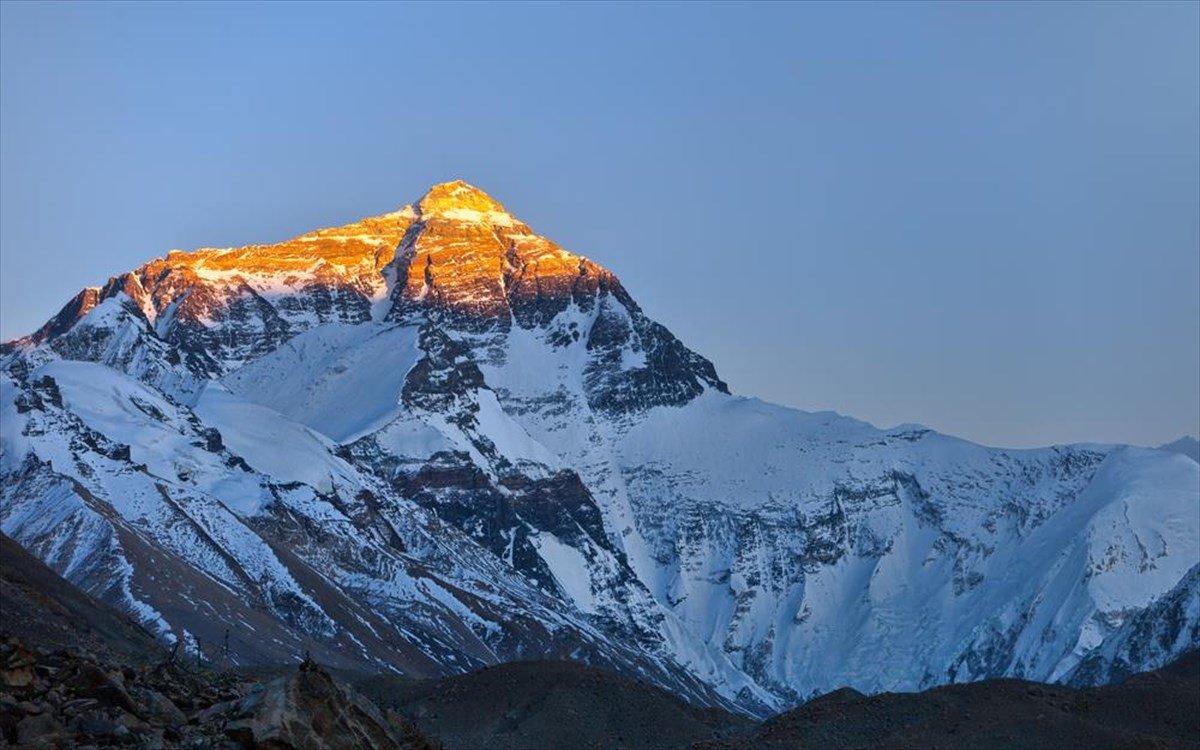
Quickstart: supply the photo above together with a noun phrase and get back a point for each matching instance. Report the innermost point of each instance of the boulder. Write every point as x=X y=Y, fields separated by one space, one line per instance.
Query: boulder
x=17 y=668
x=310 y=711
x=41 y=730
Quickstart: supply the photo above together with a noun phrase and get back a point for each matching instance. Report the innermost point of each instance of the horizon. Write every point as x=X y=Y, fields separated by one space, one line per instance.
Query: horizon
x=886 y=216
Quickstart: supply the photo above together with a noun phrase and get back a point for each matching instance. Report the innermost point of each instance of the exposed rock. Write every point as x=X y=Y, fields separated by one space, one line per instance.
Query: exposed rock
x=17 y=667
x=124 y=689
x=105 y=686
x=307 y=711
x=159 y=708
x=41 y=730
x=467 y=257
x=211 y=303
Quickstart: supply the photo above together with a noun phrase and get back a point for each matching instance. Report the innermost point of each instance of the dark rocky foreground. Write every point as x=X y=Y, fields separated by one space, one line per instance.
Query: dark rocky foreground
x=526 y=705
x=74 y=699
x=76 y=674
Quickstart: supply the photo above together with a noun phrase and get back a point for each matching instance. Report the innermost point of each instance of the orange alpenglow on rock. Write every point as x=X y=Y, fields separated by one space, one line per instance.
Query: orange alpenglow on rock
x=458 y=196
x=455 y=251
x=466 y=254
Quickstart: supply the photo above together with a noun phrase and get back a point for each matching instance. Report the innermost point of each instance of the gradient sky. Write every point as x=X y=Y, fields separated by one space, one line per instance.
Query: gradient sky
x=983 y=218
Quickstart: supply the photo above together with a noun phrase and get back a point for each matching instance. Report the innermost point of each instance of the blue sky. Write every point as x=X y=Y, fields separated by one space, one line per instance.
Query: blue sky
x=980 y=217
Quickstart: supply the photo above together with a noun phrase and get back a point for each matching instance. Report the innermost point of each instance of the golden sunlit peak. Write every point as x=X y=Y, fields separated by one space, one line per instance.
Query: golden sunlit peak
x=458 y=196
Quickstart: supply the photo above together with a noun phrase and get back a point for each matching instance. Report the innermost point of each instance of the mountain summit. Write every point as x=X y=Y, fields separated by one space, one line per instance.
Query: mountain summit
x=465 y=254
x=433 y=440
x=457 y=195
x=455 y=253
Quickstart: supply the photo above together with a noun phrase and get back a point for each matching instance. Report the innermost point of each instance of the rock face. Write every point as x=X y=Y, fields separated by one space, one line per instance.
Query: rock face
x=466 y=257
x=310 y=710
x=433 y=440
x=78 y=699
x=221 y=307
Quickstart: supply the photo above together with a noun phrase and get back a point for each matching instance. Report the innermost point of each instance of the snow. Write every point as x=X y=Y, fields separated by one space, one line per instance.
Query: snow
x=570 y=569
x=1149 y=513
x=1186 y=445
x=381 y=297
x=712 y=503
x=342 y=381
x=409 y=437
x=13 y=444
x=722 y=462
x=471 y=216
x=511 y=440
x=270 y=442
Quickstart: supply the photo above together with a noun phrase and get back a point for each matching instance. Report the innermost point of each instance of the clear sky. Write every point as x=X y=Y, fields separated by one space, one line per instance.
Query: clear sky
x=983 y=218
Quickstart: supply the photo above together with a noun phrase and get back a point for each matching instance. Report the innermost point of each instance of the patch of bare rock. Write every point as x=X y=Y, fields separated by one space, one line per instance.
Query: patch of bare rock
x=73 y=699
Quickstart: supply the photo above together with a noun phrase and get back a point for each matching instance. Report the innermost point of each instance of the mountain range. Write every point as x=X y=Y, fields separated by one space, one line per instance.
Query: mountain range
x=434 y=440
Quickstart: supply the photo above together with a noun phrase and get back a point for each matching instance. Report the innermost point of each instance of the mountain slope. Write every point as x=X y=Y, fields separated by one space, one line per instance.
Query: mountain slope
x=122 y=688
x=44 y=611
x=1154 y=709
x=550 y=704
x=80 y=646
x=434 y=440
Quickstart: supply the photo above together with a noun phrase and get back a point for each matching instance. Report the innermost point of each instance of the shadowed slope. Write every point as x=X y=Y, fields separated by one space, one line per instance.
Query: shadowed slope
x=547 y=704
x=1150 y=710
x=44 y=610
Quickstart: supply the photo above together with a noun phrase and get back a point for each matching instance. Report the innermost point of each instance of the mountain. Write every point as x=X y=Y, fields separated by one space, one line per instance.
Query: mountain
x=1187 y=445
x=433 y=441
x=548 y=704
x=1155 y=709
x=123 y=689
x=44 y=611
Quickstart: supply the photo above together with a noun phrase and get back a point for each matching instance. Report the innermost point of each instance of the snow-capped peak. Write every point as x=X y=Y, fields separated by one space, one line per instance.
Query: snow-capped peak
x=434 y=439
x=457 y=196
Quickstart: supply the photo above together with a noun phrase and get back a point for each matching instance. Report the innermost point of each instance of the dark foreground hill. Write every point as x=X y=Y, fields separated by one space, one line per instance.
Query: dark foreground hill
x=1158 y=709
x=534 y=705
x=547 y=704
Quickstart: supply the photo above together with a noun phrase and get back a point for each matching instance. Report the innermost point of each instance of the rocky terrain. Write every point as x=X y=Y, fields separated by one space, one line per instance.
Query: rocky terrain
x=433 y=441
x=533 y=705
